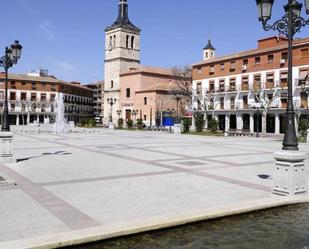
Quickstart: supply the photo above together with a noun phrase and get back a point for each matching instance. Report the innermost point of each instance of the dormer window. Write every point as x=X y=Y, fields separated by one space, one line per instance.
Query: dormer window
x=127 y=42
x=112 y=84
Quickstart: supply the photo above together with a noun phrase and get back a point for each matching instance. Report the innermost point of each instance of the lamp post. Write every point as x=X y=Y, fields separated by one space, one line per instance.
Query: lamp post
x=178 y=97
x=11 y=57
x=257 y=109
x=288 y=159
x=288 y=25
x=111 y=102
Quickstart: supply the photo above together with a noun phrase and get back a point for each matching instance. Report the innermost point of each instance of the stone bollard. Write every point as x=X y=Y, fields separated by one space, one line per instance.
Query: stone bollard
x=7 y=155
x=177 y=129
x=289 y=177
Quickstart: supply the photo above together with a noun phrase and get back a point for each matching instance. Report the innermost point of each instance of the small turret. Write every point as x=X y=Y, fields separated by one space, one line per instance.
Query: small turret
x=209 y=52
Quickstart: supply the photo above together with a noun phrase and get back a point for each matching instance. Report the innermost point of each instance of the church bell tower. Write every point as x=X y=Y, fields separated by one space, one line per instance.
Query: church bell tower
x=122 y=52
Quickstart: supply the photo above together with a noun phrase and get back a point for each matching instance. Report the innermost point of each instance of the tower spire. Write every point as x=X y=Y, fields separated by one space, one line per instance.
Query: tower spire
x=123 y=17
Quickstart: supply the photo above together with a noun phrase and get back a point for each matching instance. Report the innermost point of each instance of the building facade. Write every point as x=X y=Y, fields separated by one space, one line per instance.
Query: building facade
x=145 y=93
x=122 y=52
x=33 y=98
x=98 y=99
x=248 y=90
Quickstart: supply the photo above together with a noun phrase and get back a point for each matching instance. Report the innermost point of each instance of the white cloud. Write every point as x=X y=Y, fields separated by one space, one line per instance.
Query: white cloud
x=65 y=66
x=48 y=30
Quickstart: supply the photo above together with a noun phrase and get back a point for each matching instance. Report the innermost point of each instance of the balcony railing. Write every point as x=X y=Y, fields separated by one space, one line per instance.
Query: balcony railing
x=269 y=85
x=244 y=87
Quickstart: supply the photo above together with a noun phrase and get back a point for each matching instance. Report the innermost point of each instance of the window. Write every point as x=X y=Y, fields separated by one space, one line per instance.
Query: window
x=245 y=83
x=206 y=55
x=112 y=84
x=257 y=61
x=13 y=85
x=222 y=85
x=245 y=62
x=284 y=79
x=33 y=96
x=145 y=100
x=211 y=86
x=128 y=92
x=12 y=95
x=145 y=117
x=23 y=96
x=53 y=87
x=43 y=85
x=222 y=103
x=284 y=56
x=43 y=97
x=233 y=66
x=132 y=42
x=257 y=82
x=114 y=41
x=211 y=69
x=110 y=42
x=23 y=107
x=304 y=52
x=33 y=85
x=245 y=102
x=222 y=66
x=12 y=107
x=270 y=58
x=127 y=42
x=232 y=100
x=232 y=84
x=199 y=88
x=23 y=83
x=199 y=70
x=270 y=80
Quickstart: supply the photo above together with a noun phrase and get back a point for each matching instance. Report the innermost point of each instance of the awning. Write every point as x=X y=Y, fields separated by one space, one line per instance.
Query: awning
x=270 y=77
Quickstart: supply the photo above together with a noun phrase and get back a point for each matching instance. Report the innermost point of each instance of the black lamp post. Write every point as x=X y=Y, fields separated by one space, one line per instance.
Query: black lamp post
x=178 y=97
x=12 y=55
x=111 y=102
x=257 y=109
x=288 y=25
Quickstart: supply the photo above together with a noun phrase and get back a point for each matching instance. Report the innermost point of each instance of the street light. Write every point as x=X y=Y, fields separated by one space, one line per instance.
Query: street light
x=111 y=102
x=12 y=55
x=178 y=97
x=257 y=109
x=288 y=25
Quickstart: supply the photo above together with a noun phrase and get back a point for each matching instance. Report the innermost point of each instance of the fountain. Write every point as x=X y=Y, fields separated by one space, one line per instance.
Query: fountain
x=59 y=126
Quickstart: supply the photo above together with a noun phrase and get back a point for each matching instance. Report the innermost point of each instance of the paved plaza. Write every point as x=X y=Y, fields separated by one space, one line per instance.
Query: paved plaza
x=83 y=187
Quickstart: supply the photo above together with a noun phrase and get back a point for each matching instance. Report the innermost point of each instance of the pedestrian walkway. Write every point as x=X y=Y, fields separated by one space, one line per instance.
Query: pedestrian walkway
x=77 y=188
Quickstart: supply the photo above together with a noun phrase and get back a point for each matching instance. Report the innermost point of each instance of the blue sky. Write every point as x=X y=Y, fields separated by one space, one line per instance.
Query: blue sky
x=67 y=36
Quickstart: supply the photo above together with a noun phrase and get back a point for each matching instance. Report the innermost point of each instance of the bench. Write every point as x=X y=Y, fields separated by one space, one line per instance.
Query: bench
x=239 y=132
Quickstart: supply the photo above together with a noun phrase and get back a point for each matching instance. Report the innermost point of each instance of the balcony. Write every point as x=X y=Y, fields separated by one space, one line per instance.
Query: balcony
x=284 y=84
x=257 y=85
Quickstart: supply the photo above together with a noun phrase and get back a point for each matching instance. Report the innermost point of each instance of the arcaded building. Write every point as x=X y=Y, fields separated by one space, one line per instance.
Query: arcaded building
x=232 y=86
x=33 y=98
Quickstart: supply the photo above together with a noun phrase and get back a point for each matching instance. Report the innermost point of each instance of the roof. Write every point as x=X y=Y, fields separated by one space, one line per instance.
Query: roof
x=46 y=79
x=123 y=20
x=297 y=42
x=209 y=46
x=150 y=70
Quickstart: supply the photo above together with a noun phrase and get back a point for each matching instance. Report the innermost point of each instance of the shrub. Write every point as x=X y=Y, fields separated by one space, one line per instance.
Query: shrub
x=140 y=124
x=213 y=125
x=186 y=124
x=303 y=126
x=92 y=122
x=130 y=123
x=120 y=123
x=199 y=123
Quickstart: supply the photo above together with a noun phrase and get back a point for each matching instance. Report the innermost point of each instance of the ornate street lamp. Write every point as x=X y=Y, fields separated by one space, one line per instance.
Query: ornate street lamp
x=288 y=25
x=12 y=55
x=111 y=102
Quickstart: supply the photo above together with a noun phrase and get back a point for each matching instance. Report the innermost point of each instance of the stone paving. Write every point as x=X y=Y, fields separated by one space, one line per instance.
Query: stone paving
x=82 y=187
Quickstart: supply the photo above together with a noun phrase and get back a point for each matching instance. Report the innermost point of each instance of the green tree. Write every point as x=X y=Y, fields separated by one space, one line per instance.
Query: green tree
x=120 y=123
x=140 y=124
x=130 y=124
x=186 y=124
x=199 y=122
x=303 y=126
x=213 y=125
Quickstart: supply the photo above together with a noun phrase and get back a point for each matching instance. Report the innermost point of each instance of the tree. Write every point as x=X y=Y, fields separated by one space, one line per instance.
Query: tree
x=265 y=99
x=183 y=82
